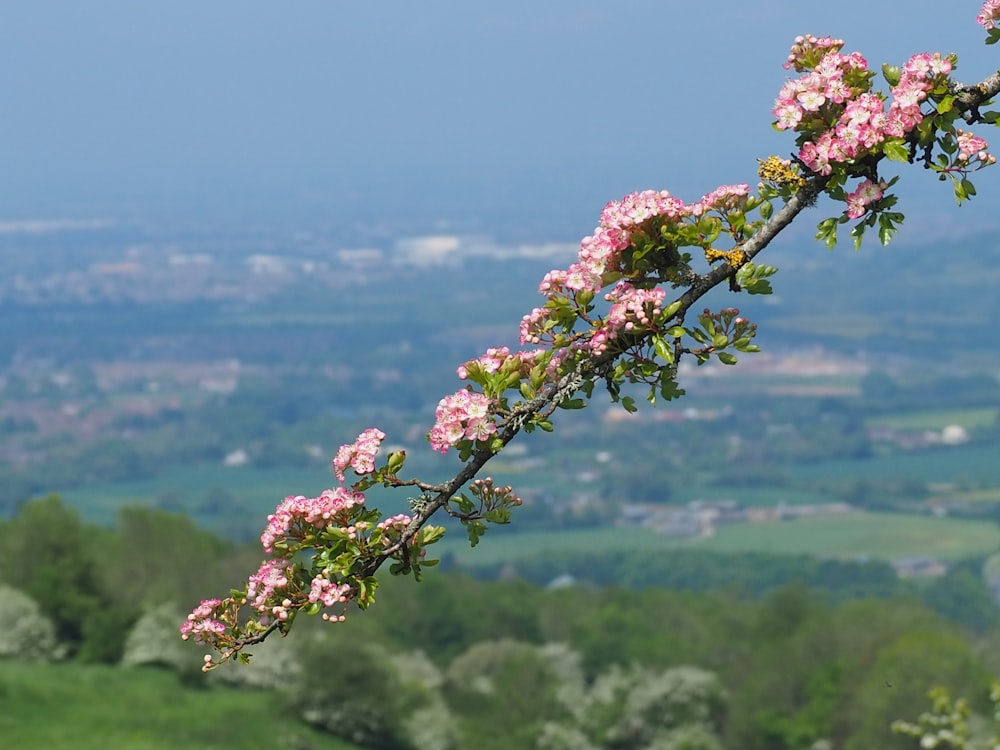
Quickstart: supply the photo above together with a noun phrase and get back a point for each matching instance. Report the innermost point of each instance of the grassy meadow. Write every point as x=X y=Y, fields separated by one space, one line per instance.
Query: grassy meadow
x=89 y=707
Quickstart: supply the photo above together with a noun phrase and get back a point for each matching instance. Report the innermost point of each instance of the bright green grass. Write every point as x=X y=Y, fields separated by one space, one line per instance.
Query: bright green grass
x=880 y=535
x=83 y=707
x=851 y=535
x=937 y=419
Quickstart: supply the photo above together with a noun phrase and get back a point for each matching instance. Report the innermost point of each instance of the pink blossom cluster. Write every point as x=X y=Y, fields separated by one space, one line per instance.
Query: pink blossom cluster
x=361 y=455
x=532 y=327
x=201 y=624
x=833 y=99
x=630 y=307
x=497 y=357
x=601 y=251
x=635 y=208
x=989 y=15
x=858 y=201
x=329 y=593
x=265 y=584
x=723 y=198
x=973 y=148
x=393 y=525
x=294 y=513
x=598 y=253
x=399 y=521
x=491 y=361
x=808 y=50
x=462 y=415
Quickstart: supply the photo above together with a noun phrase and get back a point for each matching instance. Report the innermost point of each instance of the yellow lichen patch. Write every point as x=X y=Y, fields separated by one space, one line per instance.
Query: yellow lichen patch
x=734 y=258
x=779 y=172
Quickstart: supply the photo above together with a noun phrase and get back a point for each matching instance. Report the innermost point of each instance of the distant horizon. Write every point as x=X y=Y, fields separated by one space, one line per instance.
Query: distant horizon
x=520 y=119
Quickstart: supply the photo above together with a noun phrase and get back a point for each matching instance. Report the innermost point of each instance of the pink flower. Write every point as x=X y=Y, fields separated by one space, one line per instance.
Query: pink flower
x=296 y=513
x=322 y=589
x=552 y=282
x=361 y=455
x=464 y=414
x=788 y=115
x=394 y=526
x=201 y=625
x=533 y=326
x=970 y=145
x=264 y=585
x=726 y=197
x=811 y=100
x=490 y=362
x=989 y=15
x=857 y=202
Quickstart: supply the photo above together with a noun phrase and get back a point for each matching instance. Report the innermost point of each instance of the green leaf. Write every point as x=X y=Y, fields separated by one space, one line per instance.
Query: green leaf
x=464 y=503
x=896 y=149
x=720 y=341
x=726 y=358
x=670 y=310
x=431 y=534
x=827 y=232
x=885 y=233
x=670 y=390
x=572 y=403
x=960 y=194
x=758 y=286
x=476 y=529
x=675 y=332
x=663 y=350
x=629 y=404
x=766 y=209
x=946 y=104
x=698 y=335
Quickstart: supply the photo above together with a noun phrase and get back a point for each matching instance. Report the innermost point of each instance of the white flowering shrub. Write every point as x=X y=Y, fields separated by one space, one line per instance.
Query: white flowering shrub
x=25 y=633
x=645 y=709
x=152 y=641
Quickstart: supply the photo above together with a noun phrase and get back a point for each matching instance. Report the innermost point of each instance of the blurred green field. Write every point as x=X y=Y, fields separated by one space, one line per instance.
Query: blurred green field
x=989 y=495
x=936 y=419
x=258 y=490
x=505 y=544
x=851 y=535
x=938 y=465
x=89 y=707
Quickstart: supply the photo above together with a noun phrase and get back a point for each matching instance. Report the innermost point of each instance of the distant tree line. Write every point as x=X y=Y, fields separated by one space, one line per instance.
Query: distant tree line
x=630 y=656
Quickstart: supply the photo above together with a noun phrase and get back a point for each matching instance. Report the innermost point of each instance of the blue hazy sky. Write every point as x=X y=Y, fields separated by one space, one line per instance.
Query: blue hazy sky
x=500 y=112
